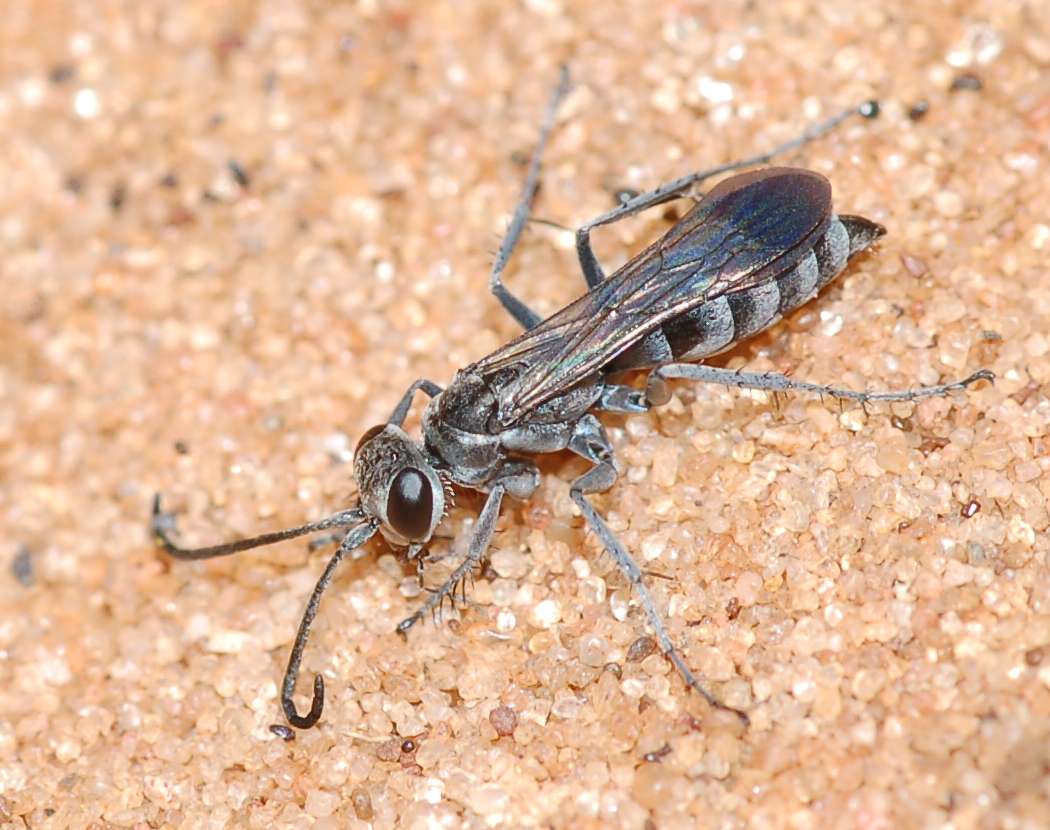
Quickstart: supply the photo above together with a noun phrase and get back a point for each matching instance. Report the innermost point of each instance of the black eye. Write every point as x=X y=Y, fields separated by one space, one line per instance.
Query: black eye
x=410 y=505
x=368 y=436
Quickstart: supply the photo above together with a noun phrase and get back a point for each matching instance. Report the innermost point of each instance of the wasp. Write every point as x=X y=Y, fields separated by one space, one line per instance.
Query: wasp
x=752 y=249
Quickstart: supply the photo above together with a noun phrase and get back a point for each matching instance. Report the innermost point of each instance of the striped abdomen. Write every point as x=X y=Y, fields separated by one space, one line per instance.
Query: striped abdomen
x=719 y=324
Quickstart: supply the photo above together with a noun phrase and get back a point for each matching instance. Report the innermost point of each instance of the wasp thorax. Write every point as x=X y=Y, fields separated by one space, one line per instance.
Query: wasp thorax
x=398 y=485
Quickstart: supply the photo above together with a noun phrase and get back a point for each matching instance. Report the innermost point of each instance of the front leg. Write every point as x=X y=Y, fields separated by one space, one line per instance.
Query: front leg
x=428 y=387
x=591 y=442
x=479 y=543
x=519 y=479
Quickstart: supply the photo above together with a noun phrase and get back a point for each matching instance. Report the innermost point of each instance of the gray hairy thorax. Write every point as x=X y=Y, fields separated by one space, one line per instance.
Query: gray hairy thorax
x=461 y=431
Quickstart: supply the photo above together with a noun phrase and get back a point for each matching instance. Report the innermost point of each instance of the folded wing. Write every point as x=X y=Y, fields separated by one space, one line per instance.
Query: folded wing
x=746 y=231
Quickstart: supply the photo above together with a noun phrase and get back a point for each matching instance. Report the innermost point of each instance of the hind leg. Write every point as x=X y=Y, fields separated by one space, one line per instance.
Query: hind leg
x=592 y=269
x=658 y=393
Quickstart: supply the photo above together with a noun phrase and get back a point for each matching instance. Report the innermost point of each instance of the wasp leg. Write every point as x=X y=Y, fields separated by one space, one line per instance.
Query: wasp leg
x=516 y=478
x=658 y=392
x=430 y=389
x=479 y=543
x=591 y=442
x=525 y=316
x=623 y=399
x=592 y=269
x=324 y=540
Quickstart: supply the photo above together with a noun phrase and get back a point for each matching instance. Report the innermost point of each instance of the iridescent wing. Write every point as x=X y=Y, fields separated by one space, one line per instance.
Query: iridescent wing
x=746 y=231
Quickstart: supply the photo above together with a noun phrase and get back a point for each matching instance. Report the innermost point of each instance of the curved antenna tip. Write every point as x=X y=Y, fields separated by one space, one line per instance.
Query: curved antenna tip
x=316 y=707
x=161 y=524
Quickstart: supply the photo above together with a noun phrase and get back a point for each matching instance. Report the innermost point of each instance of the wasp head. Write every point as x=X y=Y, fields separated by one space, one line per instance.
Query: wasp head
x=398 y=485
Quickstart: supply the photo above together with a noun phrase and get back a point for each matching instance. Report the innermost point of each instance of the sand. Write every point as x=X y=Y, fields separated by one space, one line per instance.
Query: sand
x=231 y=236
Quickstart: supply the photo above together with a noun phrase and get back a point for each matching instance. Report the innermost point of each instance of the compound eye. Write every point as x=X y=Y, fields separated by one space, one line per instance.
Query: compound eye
x=410 y=505
x=368 y=436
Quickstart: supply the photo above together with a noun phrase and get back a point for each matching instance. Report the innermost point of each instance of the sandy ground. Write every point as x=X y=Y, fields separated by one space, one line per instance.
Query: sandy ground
x=230 y=239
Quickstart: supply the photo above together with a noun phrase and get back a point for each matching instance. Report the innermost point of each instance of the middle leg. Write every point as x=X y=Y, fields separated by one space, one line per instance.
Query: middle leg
x=591 y=442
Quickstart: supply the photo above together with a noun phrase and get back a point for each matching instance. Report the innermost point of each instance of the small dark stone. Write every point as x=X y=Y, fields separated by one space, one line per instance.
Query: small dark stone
x=117 y=197
x=932 y=444
x=870 y=109
x=1034 y=656
x=283 y=732
x=504 y=720
x=22 y=566
x=61 y=72
x=362 y=802
x=659 y=754
x=918 y=110
x=967 y=82
x=408 y=746
x=970 y=509
x=240 y=175
x=1023 y=394
x=640 y=649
